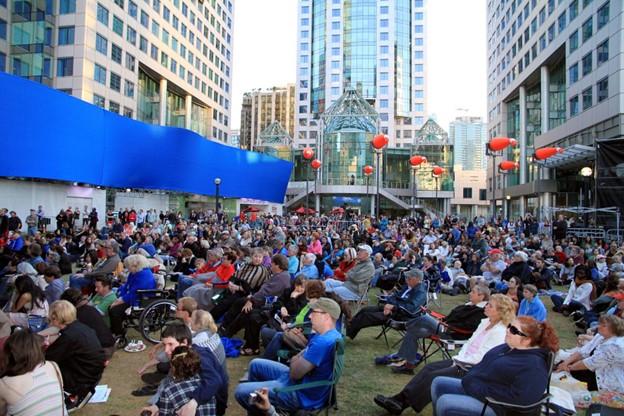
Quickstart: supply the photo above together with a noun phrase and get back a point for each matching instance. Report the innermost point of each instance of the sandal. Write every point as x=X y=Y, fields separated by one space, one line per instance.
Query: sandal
x=249 y=352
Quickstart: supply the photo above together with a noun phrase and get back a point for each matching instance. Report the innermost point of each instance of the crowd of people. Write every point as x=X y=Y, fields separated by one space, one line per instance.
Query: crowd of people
x=287 y=282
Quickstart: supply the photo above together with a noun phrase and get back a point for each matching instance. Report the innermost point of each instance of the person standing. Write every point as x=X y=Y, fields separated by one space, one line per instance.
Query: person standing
x=15 y=223
x=32 y=222
x=40 y=218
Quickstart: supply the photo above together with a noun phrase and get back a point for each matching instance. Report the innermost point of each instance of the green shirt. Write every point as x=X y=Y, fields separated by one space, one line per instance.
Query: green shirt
x=103 y=303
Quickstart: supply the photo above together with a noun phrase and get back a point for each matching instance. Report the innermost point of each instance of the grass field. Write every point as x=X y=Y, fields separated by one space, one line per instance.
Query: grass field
x=362 y=379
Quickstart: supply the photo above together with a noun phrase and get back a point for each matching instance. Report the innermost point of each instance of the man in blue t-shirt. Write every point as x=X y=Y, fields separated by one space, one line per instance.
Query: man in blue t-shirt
x=312 y=364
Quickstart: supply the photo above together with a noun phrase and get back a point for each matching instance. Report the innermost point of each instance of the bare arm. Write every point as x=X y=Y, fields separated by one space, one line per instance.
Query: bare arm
x=299 y=367
x=21 y=301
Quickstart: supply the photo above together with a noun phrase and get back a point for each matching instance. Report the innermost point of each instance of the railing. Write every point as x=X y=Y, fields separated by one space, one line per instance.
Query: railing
x=615 y=235
x=594 y=233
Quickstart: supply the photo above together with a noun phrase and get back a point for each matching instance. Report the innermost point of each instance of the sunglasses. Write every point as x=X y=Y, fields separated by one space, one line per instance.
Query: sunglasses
x=515 y=331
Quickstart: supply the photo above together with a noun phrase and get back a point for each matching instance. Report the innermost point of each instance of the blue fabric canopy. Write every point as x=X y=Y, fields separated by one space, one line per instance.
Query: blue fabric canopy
x=51 y=135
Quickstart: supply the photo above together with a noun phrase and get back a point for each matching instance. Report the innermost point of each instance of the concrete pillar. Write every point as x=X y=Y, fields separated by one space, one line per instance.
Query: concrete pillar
x=545 y=86
x=523 y=137
x=317 y=202
x=522 y=205
x=188 y=107
x=163 y=102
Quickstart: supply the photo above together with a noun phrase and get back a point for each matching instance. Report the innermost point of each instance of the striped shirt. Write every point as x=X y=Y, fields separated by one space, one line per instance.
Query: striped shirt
x=44 y=398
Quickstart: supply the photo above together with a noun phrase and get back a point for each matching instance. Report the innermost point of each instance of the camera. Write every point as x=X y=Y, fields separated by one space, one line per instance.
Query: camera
x=252 y=399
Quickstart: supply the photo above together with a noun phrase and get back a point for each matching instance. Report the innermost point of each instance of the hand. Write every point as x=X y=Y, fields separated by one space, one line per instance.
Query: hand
x=284 y=312
x=188 y=409
x=263 y=402
x=153 y=409
x=142 y=370
x=247 y=306
x=233 y=288
x=79 y=275
x=388 y=309
x=562 y=367
x=154 y=351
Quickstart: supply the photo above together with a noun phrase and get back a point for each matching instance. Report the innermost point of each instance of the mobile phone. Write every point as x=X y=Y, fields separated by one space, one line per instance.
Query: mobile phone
x=253 y=398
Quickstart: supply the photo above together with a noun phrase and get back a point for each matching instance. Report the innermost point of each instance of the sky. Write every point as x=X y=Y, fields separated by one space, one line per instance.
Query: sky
x=265 y=44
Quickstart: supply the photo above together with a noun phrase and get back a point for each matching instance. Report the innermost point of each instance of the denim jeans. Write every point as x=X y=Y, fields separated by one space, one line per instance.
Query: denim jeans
x=184 y=283
x=269 y=374
x=336 y=286
x=421 y=327
x=79 y=282
x=271 y=345
x=572 y=306
x=450 y=399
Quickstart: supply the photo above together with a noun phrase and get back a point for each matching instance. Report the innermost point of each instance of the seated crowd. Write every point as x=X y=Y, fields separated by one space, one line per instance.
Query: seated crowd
x=284 y=283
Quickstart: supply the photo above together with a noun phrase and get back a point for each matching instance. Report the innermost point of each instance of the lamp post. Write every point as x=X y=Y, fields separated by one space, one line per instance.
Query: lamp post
x=504 y=167
x=495 y=148
x=308 y=154
x=217 y=182
x=508 y=198
x=586 y=173
x=379 y=142
x=368 y=170
x=436 y=172
x=415 y=161
x=540 y=156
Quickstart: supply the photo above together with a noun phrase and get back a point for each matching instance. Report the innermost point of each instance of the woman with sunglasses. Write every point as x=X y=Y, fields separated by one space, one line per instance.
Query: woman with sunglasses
x=515 y=372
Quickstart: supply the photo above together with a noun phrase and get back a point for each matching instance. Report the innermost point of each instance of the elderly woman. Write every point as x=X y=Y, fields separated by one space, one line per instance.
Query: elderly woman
x=531 y=305
x=525 y=352
x=348 y=262
x=491 y=332
x=77 y=352
x=28 y=383
x=140 y=277
x=603 y=356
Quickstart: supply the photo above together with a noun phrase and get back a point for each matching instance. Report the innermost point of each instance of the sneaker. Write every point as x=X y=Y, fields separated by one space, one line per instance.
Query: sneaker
x=244 y=378
x=387 y=359
x=397 y=364
x=75 y=402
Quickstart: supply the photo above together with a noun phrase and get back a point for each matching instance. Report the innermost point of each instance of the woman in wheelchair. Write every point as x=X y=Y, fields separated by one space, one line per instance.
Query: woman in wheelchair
x=140 y=277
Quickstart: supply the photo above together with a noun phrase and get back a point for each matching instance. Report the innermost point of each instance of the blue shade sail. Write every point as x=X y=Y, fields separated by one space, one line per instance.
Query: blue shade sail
x=48 y=134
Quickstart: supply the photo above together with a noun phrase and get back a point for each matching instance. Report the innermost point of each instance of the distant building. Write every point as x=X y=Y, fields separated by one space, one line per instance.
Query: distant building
x=470 y=199
x=261 y=108
x=469 y=135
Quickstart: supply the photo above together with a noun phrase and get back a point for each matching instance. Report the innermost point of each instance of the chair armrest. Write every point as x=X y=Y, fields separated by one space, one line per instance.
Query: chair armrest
x=490 y=400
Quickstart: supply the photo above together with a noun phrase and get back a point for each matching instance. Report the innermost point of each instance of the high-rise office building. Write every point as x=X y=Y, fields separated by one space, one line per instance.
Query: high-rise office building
x=376 y=47
x=261 y=108
x=160 y=62
x=554 y=79
x=469 y=135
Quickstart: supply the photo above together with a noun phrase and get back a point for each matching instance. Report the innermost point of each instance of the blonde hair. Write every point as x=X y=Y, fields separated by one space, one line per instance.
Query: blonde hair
x=201 y=319
x=63 y=312
x=505 y=307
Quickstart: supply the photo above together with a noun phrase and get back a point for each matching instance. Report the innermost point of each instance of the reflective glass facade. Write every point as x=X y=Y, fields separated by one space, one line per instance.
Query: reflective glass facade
x=318 y=59
x=403 y=62
x=147 y=107
x=345 y=154
x=360 y=46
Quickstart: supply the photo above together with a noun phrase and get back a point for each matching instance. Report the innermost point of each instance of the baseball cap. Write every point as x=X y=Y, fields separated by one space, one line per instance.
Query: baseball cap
x=619 y=296
x=600 y=256
x=494 y=251
x=326 y=305
x=366 y=248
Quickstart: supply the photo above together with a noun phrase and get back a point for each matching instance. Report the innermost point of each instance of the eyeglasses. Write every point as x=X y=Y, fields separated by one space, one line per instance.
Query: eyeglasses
x=313 y=311
x=515 y=331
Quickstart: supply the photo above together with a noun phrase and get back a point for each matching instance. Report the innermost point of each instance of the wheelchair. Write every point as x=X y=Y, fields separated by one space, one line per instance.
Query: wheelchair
x=155 y=310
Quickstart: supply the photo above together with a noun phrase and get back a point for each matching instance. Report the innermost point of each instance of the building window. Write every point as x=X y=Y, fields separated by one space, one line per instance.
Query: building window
x=573 y=42
x=113 y=107
x=120 y=3
x=383 y=103
x=65 y=35
x=101 y=44
x=588 y=29
x=116 y=53
x=603 y=89
x=587 y=98
x=154 y=52
x=130 y=62
x=383 y=10
x=573 y=9
x=115 y=82
x=144 y=19
x=143 y=44
x=336 y=12
x=573 y=73
x=602 y=16
x=117 y=25
x=482 y=194
x=99 y=74
x=467 y=193
x=164 y=59
x=602 y=52
x=127 y=112
x=65 y=67
x=383 y=63
x=383 y=23
x=561 y=22
x=131 y=35
x=383 y=36
x=132 y=9
x=574 y=101
x=335 y=91
x=67 y=6
x=335 y=51
x=383 y=76
x=129 y=89
x=587 y=64
x=102 y=14
x=99 y=101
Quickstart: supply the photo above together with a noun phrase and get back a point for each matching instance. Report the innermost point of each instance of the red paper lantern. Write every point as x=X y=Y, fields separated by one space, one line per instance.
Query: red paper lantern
x=368 y=170
x=437 y=170
x=546 y=152
x=508 y=165
x=380 y=141
x=500 y=143
x=417 y=160
x=308 y=153
x=316 y=163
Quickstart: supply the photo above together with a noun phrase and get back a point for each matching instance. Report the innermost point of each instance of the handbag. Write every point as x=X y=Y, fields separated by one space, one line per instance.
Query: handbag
x=294 y=338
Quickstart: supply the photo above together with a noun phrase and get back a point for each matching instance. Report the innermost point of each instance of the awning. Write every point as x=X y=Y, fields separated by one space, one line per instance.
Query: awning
x=574 y=156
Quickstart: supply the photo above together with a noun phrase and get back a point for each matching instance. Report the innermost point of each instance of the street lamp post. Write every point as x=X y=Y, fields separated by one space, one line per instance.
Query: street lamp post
x=586 y=173
x=415 y=161
x=368 y=170
x=495 y=148
x=308 y=154
x=540 y=156
x=217 y=182
x=436 y=172
x=379 y=142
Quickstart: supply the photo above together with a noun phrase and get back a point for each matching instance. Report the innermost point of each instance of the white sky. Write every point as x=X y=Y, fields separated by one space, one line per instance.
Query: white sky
x=265 y=37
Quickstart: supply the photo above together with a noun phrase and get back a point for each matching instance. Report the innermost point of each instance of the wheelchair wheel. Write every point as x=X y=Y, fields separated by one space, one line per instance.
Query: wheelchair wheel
x=155 y=318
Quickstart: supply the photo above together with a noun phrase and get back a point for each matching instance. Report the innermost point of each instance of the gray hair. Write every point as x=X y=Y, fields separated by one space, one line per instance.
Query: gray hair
x=136 y=260
x=26 y=268
x=351 y=252
x=294 y=248
x=310 y=256
x=54 y=256
x=522 y=255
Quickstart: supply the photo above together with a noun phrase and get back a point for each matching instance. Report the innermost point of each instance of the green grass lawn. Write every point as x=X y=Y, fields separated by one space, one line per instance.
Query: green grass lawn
x=361 y=380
